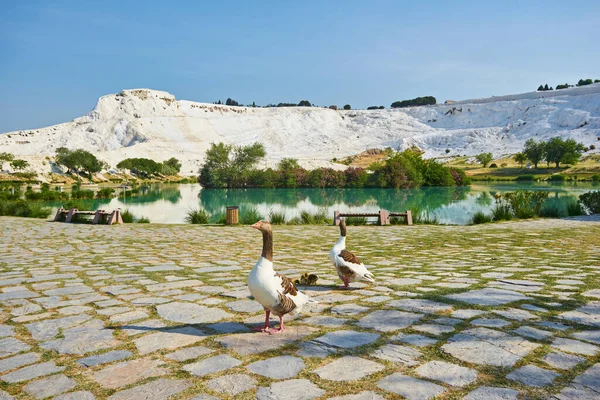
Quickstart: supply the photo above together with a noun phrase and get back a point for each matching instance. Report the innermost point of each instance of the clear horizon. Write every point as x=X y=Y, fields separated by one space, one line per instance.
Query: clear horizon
x=58 y=59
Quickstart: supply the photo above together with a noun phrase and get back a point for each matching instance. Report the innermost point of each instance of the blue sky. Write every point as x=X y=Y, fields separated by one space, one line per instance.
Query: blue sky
x=58 y=57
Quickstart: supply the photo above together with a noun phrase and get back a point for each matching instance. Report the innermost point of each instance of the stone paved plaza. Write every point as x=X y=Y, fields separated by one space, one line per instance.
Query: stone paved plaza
x=496 y=311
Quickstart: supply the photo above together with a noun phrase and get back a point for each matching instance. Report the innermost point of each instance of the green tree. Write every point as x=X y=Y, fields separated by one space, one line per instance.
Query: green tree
x=484 y=159
x=565 y=151
x=287 y=169
x=347 y=107
x=534 y=151
x=304 y=103
x=173 y=163
x=19 y=165
x=78 y=160
x=5 y=157
x=559 y=87
x=229 y=166
x=583 y=82
x=520 y=158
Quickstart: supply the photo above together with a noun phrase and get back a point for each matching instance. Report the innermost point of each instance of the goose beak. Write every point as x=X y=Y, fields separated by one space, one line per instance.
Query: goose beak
x=256 y=225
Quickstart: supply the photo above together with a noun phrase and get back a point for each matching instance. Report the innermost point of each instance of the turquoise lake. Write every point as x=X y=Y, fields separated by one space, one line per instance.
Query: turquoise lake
x=168 y=203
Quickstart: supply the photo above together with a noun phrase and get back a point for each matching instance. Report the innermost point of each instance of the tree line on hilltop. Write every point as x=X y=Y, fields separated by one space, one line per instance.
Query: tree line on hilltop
x=582 y=82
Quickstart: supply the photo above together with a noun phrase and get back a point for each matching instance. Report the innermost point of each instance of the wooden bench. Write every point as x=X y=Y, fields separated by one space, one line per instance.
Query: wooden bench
x=383 y=216
x=100 y=216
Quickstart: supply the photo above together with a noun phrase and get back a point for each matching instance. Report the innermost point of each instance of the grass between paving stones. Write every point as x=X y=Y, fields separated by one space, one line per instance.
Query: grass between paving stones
x=422 y=246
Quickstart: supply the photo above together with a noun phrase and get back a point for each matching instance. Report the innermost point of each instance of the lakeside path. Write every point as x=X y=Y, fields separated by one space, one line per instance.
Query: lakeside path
x=495 y=311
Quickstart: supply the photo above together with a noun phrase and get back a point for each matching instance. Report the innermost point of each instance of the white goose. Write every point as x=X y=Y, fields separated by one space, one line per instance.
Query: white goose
x=348 y=266
x=276 y=293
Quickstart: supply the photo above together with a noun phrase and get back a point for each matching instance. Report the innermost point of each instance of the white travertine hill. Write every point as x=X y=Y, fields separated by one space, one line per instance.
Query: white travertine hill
x=153 y=124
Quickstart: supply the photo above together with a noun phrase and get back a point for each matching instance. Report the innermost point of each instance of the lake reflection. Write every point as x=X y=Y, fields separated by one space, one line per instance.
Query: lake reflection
x=168 y=203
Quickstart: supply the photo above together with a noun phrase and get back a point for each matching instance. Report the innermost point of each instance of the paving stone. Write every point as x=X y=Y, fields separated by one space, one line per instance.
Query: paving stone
x=104 y=358
x=492 y=393
x=129 y=316
x=149 y=300
x=349 y=309
x=204 y=397
x=324 y=320
x=291 y=389
x=245 y=306
x=212 y=365
x=452 y=374
x=433 y=329
x=588 y=314
x=388 y=320
x=10 y=346
x=531 y=375
x=516 y=314
x=562 y=361
x=419 y=305
x=174 y=285
x=314 y=349
x=5 y=396
x=74 y=310
x=488 y=347
x=528 y=331
x=228 y=327
x=253 y=343
x=574 y=346
x=409 y=387
x=190 y=313
x=553 y=325
x=50 y=386
x=84 y=339
x=447 y=321
x=398 y=354
x=158 y=268
x=348 y=368
x=359 y=396
x=576 y=392
x=160 y=389
x=590 y=378
x=18 y=361
x=282 y=367
x=31 y=372
x=232 y=384
x=169 y=339
x=490 y=322
x=128 y=372
x=140 y=327
x=347 y=339
x=80 y=395
x=466 y=313
x=188 y=353
x=588 y=336
x=44 y=330
x=414 y=339
x=489 y=297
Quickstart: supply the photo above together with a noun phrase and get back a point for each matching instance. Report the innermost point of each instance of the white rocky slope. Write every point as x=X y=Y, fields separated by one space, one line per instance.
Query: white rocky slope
x=152 y=124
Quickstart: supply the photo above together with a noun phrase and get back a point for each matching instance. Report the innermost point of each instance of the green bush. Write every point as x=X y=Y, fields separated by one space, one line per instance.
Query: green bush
x=574 y=208
x=525 y=178
x=22 y=208
x=502 y=212
x=356 y=221
x=557 y=178
x=67 y=205
x=105 y=193
x=197 y=216
x=143 y=220
x=276 y=218
x=82 y=194
x=493 y=165
x=319 y=218
x=595 y=178
x=591 y=201
x=220 y=218
x=249 y=215
x=552 y=210
x=526 y=203
x=127 y=216
x=480 y=218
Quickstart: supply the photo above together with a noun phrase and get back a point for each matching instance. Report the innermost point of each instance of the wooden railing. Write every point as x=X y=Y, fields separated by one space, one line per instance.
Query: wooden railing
x=383 y=216
x=100 y=216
